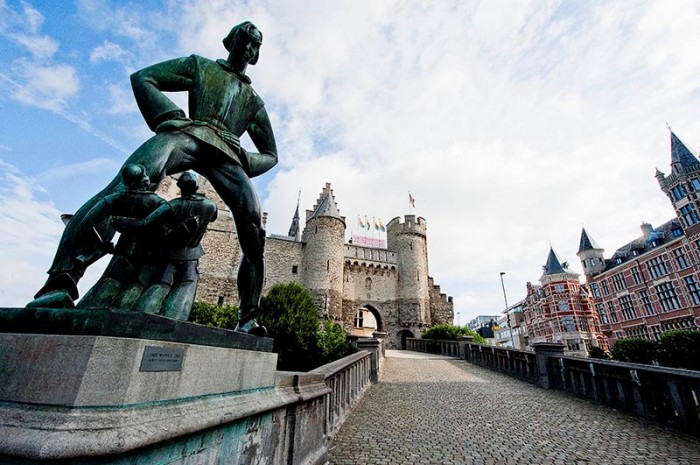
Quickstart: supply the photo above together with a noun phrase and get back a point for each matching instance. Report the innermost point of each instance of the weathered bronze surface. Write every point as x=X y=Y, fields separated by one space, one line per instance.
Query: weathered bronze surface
x=222 y=107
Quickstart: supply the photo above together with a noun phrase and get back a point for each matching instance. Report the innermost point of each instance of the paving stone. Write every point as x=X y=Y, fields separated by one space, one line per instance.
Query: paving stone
x=444 y=411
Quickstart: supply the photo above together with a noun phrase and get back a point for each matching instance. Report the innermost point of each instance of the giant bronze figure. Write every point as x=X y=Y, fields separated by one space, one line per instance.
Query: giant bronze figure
x=222 y=106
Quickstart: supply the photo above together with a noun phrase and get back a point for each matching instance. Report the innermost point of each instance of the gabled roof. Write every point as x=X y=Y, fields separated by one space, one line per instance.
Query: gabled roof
x=587 y=242
x=325 y=205
x=681 y=154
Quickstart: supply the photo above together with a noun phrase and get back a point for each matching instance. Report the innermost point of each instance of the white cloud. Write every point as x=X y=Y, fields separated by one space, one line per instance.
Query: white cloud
x=45 y=86
x=39 y=46
x=108 y=51
x=121 y=100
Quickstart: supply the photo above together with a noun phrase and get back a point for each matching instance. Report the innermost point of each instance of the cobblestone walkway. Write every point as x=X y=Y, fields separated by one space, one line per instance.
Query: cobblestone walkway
x=445 y=411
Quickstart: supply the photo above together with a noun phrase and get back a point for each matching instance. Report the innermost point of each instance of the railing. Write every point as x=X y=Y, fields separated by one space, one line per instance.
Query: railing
x=514 y=362
x=348 y=378
x=670 y=396
x=434 y=346
x=666 y=395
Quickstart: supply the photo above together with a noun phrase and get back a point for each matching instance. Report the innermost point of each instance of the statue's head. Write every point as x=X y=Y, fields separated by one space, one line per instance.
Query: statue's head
x=244 y=41
x=134 y=176
x=188 y=183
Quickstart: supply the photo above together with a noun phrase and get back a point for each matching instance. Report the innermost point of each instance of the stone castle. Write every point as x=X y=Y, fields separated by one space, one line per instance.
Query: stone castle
x=366 y=289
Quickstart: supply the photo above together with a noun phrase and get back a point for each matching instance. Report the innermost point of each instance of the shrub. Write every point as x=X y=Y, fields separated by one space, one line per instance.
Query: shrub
x=634 y=350
x=332 y=343
x=290 y=316
x=213 y=315
x=680 y=348
x=597 y=352
x=447 y=332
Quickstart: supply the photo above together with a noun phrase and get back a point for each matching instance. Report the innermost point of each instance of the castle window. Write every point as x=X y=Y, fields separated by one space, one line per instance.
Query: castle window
x=689 y=215
x=295 y=269
x=220 y=302
x=679 y=192
x=628 y=312
x=646 y=302
x=657 y=267
x=619 y=282
x=677 y=232
x=611 y=312
x=667 y=296
x=636 y=275
x=359 y=320
x=696 y=184
x=680 y=258
x=368 y=283
x=692 y=283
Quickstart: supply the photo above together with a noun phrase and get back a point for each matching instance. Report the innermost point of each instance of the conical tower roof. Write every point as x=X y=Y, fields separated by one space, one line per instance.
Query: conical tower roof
x=680 y=153
x=554 y=264
x=587 y=242
x=325 y=205
x=294 y=227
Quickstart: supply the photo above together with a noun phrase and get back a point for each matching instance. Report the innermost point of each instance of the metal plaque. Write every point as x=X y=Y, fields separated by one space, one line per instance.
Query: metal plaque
x=162 y=359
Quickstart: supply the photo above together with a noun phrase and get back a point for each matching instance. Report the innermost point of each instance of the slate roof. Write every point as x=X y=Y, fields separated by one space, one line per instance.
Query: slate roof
x=587 y=242
x=554 y=264
x=681 y=154
x=325 y=205
x=639 y=246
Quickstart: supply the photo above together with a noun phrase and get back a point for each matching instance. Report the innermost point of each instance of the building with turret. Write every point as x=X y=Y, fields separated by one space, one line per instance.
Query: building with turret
x=560 y=309
x=364 y=288
x=650 y=285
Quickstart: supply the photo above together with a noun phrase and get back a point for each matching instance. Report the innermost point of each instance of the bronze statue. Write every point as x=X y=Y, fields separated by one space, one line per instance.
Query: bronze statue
x=177 y=228
x=222 y=106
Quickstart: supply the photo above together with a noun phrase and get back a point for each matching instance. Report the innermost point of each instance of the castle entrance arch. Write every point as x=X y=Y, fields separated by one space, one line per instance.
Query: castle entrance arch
x=402 y=336
x=367 y=321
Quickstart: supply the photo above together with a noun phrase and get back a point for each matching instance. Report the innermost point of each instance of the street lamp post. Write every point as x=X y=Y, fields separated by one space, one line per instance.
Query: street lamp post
x=505 y=299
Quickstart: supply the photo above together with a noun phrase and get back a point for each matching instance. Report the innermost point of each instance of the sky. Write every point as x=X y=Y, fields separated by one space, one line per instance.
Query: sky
x=512 y=123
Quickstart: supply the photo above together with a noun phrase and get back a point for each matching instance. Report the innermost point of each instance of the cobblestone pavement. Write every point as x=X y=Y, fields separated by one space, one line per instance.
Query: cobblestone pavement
x=429 y=410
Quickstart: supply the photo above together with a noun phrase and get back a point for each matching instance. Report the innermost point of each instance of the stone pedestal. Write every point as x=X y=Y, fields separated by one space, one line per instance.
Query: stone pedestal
x=93 y=398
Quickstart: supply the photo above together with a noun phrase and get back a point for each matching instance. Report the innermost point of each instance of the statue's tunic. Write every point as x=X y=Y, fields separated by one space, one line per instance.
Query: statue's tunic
x=222 y=104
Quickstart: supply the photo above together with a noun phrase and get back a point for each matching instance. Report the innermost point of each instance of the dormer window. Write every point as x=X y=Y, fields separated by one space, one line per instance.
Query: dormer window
x=677 y=232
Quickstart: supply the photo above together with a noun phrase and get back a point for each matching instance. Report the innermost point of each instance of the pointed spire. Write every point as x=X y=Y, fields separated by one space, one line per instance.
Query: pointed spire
x=294 y=228
x=680 y=153
x=554 y=264
x=587 y=242
x=325 y=205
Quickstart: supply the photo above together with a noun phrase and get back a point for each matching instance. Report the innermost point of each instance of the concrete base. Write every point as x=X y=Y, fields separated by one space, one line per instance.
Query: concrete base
x=85 y=399
x=98 y=371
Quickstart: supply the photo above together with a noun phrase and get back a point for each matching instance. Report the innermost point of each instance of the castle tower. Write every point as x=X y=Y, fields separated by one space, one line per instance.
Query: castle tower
x=591 y=255
x=409 y=240
x=682 y=185
x=323 y=254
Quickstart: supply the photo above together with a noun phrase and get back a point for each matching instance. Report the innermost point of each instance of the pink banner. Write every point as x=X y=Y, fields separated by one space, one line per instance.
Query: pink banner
x=369 y=241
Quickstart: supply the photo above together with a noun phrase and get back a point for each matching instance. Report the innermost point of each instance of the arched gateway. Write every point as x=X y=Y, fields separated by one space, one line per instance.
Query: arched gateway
x=367 y=320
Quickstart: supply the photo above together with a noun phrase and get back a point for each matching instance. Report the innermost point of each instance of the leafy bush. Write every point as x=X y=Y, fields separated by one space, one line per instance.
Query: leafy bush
x=634 y=350
x=447 y=332
x=332 y=342
x=213 y=315
x=597 y=352
x=680 y=348
x=290 y=316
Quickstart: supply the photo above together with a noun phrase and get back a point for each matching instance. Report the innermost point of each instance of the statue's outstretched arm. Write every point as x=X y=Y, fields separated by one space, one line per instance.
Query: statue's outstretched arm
x=150 y=83
x=260 y=131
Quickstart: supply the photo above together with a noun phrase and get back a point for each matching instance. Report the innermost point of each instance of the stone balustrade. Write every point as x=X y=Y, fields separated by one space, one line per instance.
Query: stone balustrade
x=669 y=396
x=435 y=346
x=347 y=378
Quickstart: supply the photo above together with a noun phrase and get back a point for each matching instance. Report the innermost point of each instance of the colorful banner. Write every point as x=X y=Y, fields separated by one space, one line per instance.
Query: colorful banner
x=369 y=242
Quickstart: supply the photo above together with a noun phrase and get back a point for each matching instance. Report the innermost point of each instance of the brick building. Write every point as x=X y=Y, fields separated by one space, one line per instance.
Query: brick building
x=560 y=309
x=650 y=285
x=364 y=288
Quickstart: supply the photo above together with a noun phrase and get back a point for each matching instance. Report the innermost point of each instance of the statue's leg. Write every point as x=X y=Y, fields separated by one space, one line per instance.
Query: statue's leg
x=79 y=245
x=178 y=303
x=236 y=190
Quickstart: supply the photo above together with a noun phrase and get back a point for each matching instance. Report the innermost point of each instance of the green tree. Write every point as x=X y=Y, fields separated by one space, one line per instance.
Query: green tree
x=447 y=332
x=290 y=316
x=214 y=315
x=597 y=352
x=332 y=342
x=680 y=348
x=634 y=350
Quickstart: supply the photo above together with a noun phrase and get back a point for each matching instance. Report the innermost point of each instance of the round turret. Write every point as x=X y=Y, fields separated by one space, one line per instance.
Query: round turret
x=323 y=255
x=408 y=238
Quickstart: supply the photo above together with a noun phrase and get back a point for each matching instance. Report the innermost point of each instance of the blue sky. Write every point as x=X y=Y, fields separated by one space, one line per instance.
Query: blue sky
x=513 y=124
